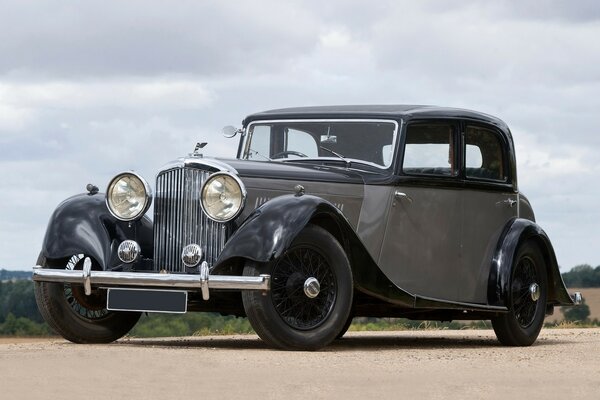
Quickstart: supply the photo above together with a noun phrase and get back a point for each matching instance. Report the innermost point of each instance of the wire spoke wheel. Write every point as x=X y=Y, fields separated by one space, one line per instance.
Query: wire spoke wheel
x=524 y=306
x=92 y=307
x=525 y=298
x=311 y=293
x=288 y=279
x=76 y=316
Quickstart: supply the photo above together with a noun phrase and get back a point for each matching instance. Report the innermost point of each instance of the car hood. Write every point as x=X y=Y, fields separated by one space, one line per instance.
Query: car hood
x=295 y=172
x=265 y=180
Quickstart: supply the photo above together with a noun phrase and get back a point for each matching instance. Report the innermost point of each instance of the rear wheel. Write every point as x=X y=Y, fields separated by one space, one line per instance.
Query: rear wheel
x=526 y=299
x=310 y=297
x=76 y=316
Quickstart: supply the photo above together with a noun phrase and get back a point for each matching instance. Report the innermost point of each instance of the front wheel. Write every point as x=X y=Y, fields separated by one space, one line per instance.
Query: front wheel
x=74 y=315
x=310 y=297
x=526 y=299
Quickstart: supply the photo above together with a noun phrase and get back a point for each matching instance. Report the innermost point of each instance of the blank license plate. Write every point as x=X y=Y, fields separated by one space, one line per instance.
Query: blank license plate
x=165 y=301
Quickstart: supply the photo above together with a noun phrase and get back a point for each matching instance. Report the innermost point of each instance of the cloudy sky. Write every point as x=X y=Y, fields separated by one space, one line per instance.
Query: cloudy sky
x=88 y=89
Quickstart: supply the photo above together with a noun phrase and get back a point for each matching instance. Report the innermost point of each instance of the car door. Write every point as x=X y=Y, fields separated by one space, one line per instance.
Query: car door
x=421 y=248
x=489 y=203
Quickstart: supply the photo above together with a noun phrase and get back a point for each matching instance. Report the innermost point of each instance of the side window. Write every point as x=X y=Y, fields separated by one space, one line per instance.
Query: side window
x=484 y=156
x=387 y=152
x=429 y=150
x=261 y=137
x=302 y=142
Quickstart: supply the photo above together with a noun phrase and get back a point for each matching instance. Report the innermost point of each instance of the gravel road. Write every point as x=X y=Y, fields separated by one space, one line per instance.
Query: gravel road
x=364 y=365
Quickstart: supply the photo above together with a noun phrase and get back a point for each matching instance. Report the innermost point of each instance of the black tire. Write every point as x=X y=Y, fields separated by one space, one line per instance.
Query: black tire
x=77 y=317
x=523 y=322
x=285 y=317
x=345 y=327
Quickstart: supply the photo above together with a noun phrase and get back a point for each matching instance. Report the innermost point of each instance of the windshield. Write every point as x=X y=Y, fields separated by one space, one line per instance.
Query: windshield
x=364 y=141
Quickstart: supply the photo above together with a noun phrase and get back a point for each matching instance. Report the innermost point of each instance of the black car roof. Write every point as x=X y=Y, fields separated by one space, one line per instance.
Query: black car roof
x=393 y=111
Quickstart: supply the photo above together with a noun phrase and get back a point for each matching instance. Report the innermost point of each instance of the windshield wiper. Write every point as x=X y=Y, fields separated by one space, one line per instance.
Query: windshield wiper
x=337 y=155
x=254 y=152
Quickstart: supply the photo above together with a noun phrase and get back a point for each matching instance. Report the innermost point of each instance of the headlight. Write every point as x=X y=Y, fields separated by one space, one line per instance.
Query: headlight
x=223 y=197
x=128 y=196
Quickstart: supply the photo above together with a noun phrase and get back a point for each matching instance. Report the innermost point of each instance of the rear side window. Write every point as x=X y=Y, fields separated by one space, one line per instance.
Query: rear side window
x=429 y=150
x=484 y=155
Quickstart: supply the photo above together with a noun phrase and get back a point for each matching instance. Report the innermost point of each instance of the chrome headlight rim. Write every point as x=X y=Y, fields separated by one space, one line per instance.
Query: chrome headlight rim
x=147 y=196
x=242 y=191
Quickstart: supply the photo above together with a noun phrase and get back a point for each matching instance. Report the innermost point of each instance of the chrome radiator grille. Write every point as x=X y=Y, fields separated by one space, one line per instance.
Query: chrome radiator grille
x=179 y=220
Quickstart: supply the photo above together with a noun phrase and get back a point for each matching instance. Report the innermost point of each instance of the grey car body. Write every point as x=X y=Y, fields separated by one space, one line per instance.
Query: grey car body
x=411 y=211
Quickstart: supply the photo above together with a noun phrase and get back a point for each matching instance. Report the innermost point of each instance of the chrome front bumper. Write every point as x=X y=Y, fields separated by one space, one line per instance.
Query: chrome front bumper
x=202 y=281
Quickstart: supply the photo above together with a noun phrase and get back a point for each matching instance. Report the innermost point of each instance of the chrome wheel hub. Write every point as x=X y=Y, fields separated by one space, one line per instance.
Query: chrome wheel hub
x=534 y=291
x=312 y=288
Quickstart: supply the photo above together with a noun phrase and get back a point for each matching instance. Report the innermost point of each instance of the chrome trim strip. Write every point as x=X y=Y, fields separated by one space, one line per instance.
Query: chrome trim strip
x=204 y=275
x=180 y=281
x=271 y=121
x=87 y=269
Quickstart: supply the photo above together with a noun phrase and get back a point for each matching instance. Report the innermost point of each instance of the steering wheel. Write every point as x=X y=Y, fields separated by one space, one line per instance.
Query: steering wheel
x=287 y=153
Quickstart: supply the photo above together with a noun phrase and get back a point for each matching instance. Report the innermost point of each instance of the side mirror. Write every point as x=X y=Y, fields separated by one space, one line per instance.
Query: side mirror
x=230 y=131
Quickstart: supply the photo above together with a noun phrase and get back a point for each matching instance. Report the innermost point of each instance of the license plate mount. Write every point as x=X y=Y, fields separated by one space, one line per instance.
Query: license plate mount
x=147 y=300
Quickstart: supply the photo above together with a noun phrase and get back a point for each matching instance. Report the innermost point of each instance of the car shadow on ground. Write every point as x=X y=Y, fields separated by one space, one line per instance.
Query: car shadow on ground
x=350 y=342
x=424 y=342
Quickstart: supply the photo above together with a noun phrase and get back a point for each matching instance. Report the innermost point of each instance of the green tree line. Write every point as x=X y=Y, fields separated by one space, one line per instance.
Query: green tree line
x=8 y=275
x=17 y=298
x=582 y=276
x=19 y=315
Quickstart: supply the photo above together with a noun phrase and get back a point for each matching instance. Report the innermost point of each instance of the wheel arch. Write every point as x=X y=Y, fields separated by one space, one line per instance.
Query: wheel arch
x=515 y=233
x=62 y=309
x=331 y=225
x=82 y=224
x=270 y=229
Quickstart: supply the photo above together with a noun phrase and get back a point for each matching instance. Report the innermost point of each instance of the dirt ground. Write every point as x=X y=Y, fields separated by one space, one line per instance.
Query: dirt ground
x=364 y=365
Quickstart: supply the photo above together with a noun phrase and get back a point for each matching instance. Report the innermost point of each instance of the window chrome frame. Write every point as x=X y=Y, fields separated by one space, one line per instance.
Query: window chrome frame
x=248 y=138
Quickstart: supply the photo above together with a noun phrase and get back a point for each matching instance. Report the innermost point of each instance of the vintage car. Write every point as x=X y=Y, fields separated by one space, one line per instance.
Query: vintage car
x=326 y=213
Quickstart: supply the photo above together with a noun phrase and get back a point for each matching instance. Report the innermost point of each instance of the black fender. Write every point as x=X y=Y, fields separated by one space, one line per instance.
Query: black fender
x=270 y=229
x=82 y=224
x=517 y=231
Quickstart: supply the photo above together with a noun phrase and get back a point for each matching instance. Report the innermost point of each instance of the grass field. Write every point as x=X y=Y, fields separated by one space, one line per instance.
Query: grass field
x=592 y=299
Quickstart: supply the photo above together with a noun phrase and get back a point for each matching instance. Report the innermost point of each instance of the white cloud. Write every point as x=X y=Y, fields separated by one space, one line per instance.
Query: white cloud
x=335 y=38
x=548 y=162
x=149 y=38
x=13 y=118
x=73 y=95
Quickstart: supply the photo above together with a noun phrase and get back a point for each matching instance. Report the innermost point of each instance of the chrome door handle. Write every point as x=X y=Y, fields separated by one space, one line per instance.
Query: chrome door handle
x=508 y=202
x=401 y=195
